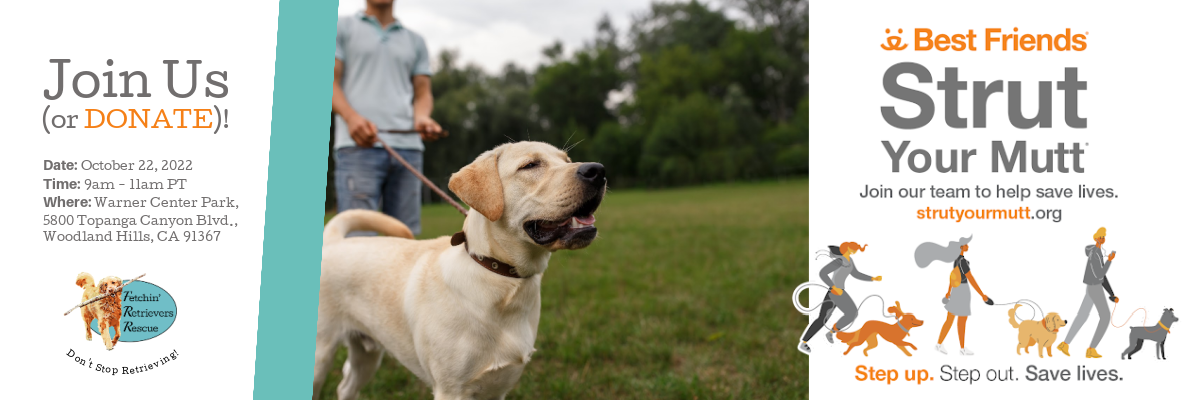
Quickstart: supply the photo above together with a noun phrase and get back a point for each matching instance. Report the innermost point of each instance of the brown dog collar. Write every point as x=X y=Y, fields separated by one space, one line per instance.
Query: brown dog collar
x=491 y=264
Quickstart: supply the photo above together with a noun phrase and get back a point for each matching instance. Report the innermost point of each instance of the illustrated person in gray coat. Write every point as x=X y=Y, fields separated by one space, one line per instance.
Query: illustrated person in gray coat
x=834 y=275
x=1095 y=276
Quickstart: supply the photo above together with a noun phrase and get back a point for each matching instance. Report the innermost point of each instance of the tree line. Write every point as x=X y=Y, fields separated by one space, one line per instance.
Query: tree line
x=692 y=93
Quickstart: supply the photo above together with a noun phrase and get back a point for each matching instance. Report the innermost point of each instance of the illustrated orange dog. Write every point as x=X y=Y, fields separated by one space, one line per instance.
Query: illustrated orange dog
x=894 y=333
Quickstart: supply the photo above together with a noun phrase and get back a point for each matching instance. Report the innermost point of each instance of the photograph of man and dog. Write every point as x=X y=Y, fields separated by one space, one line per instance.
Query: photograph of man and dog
x=635 y=201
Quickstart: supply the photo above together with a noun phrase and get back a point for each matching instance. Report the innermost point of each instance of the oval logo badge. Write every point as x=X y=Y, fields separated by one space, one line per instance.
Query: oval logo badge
x=146 y=312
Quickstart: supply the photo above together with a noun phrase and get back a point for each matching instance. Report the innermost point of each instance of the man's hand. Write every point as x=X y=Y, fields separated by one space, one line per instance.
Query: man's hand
x=1112 y=255
x=878 y=278
x=362 y=131
x=428 y=128
x=836 y=291
x=1115 y=299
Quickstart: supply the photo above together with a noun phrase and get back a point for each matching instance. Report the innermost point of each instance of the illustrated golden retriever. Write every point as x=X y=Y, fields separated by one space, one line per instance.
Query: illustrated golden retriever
x=110 y=310
x=90 y=311
x=460 y=312
x=1042 y=333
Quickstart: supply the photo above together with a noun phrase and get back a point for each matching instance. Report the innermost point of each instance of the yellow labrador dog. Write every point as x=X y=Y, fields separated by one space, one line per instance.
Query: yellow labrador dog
x=461 y=313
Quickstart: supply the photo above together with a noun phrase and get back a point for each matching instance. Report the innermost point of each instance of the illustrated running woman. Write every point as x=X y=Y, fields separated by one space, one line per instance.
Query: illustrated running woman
x=834 y=275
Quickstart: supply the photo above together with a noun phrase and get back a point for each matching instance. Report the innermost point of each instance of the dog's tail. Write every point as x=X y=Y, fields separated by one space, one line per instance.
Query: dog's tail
x=84 y=279
x=1012 y=316
x=847 y=337
x=364 y=220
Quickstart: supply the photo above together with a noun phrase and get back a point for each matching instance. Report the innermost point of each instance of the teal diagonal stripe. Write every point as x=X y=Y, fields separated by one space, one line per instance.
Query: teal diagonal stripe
x=291 y=261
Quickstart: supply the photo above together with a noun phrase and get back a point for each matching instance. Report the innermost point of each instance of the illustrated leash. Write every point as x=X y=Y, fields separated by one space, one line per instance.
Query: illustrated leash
x=1026 y=302
x=809 y=311
x=1144 y=315
x=418 y=174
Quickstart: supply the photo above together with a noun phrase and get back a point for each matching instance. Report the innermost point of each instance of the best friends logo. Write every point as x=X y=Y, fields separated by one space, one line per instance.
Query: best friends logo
x=1017 y=156
x=924 y=39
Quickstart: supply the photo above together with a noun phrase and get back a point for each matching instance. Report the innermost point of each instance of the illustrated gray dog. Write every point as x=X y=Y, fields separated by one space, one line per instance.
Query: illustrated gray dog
x=1157 y=333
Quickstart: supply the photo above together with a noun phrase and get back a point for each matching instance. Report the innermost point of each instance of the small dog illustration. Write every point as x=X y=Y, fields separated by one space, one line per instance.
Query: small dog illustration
x=110 y=310
x=1157 y=333
x=89 y=312
x=894 y=333
x=1042 y=333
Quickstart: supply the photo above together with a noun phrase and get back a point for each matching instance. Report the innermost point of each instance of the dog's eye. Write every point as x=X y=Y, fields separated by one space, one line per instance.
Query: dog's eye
x=531 y=164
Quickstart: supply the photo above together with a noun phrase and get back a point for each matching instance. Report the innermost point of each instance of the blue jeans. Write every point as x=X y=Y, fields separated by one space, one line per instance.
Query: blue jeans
x=369 y=178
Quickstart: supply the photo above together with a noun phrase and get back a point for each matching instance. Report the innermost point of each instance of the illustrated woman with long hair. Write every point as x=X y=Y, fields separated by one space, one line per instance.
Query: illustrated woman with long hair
x=958 y=296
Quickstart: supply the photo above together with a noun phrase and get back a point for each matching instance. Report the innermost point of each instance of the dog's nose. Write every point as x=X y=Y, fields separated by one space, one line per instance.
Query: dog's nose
x=1064 y=322
x=592 y=173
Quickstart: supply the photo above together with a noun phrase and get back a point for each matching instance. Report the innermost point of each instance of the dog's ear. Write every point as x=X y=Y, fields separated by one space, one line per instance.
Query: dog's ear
x=478 y=184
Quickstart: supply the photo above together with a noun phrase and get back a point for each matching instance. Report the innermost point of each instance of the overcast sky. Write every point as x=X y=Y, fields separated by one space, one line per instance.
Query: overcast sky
x=490 y=33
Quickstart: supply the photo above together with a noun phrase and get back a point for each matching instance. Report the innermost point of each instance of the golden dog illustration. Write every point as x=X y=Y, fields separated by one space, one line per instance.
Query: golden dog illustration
x=1042 y=333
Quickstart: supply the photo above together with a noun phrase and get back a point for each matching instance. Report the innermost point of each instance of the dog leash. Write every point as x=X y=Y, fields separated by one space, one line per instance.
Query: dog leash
x=808 y=311
x=1026 y=302
x=418 y=174
x=1144 y=315
x=407 y=131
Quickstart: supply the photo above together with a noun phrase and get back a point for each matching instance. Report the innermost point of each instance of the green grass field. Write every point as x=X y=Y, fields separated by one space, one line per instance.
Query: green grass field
x=685 y=295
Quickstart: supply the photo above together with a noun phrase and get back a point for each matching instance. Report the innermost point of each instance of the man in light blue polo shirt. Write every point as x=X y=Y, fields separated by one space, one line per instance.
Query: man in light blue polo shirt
x=380 y=82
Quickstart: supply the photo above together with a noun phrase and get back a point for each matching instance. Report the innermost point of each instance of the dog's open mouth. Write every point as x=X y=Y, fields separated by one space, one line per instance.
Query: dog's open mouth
x=576 y=230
